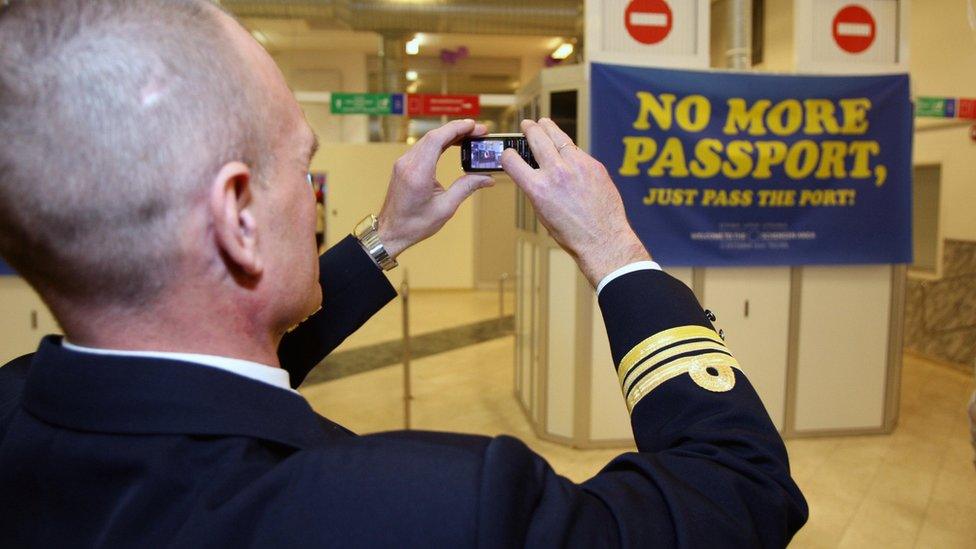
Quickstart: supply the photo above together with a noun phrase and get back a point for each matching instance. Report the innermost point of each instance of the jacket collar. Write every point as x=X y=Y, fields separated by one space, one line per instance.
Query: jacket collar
x=135 y=395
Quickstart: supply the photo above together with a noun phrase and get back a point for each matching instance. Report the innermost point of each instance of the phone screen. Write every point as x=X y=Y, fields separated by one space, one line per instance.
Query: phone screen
x=484 y=154
x=487 y=154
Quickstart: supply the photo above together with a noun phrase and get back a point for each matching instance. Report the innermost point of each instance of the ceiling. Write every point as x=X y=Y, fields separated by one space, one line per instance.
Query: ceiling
x=500 y=36
x=400 y=17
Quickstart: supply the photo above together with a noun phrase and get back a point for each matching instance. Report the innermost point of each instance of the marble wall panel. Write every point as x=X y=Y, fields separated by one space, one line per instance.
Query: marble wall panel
x=940 y=315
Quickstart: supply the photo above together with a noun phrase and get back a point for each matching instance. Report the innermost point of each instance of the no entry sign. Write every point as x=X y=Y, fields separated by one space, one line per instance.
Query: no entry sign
x=648 y=21
x=854 y=29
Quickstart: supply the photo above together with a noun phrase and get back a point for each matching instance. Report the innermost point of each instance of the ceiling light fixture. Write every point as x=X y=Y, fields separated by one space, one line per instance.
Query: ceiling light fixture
x=563 y=51
x=412 y=76
x=413 y=46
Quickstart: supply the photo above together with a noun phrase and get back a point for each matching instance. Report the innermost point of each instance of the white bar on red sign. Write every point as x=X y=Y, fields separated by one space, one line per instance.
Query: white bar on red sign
x=649 y=19
x=853 y=29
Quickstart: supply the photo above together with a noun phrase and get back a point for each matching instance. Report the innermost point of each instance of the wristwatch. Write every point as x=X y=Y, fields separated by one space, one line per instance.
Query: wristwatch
x=368 y=236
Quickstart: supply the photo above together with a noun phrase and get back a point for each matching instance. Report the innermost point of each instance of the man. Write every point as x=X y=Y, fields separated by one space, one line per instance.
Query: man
x=152 y=189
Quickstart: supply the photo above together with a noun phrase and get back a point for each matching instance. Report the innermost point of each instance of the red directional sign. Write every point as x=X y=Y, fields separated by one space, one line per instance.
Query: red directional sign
x=854 y=29
x=967 y=109
x=648 y=21
x=443 y=105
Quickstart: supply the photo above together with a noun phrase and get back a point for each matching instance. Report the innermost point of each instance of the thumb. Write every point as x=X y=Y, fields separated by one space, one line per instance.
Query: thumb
x=518 y=169
x=464 y=187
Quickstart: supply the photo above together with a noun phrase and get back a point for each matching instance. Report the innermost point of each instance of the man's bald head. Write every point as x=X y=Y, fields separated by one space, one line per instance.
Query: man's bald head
x=115 y=115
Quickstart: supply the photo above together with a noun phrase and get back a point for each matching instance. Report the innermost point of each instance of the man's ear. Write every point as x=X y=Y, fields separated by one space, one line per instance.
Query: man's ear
x=235 y=227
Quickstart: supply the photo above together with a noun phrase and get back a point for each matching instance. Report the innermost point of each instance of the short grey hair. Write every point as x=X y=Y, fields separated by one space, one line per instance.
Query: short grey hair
x=115 y=115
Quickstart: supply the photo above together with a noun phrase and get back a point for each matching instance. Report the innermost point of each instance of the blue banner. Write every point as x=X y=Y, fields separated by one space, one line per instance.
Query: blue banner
x=723 y=169
x=5 y=269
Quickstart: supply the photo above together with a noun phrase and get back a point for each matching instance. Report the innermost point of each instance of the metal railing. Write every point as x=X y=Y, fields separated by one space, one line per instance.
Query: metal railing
x=501 y=297
x=405 y=307
x=407 y=343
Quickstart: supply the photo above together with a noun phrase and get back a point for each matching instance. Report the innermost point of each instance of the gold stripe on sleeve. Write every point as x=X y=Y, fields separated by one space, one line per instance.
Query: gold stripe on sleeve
x=711 y=371
x=661 y=340
x=627 y=377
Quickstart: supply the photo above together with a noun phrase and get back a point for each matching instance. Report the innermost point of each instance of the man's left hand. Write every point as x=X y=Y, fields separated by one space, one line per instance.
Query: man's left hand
x=416 y=204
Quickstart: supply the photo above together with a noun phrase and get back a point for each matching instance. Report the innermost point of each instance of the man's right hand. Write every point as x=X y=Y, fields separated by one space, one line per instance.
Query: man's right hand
x=575 y=199
x=416 y=204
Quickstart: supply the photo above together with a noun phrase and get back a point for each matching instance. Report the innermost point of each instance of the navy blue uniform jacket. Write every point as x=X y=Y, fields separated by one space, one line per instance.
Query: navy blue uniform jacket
x=133 y=452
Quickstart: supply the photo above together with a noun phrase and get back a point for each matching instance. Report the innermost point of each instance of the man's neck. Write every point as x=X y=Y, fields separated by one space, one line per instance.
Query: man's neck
x=168 y=327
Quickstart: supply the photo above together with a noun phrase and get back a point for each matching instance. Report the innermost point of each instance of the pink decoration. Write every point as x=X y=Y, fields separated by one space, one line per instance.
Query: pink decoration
x=552 y=61
x=451 y=57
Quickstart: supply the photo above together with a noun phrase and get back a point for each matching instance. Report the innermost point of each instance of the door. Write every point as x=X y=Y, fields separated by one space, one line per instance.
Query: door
x=752 y=306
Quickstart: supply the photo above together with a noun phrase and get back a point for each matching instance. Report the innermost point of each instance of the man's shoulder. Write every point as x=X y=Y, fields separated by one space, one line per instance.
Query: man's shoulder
x=419 y=453
x=13 y=375
x=396 y=488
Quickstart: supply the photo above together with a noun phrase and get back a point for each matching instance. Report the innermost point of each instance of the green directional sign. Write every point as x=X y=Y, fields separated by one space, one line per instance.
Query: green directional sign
x=364 y=103
x=935 y=107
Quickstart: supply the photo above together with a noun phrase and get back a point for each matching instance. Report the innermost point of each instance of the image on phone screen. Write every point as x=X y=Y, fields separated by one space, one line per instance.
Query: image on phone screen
x=487 y=154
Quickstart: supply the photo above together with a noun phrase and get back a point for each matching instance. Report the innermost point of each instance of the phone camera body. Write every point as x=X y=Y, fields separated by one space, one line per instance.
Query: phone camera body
x=484 y=154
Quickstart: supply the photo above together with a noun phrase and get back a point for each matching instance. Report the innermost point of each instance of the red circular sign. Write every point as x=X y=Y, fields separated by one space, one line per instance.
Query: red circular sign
x=854 y=29
x=648 y=21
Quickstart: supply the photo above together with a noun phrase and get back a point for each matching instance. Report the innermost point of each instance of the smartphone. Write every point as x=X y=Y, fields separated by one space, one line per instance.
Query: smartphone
x=484 y=154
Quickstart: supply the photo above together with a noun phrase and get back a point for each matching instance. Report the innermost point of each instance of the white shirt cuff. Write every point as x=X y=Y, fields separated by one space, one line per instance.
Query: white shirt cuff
x=638 y=266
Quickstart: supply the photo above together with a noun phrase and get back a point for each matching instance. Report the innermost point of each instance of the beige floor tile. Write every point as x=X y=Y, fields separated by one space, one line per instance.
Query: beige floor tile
x=903 y=485
x=935 y=538
x=849 y=471
x=949 y=520
x=956 y=483
x=808 y=455
x=881 y=524
x=830 y=513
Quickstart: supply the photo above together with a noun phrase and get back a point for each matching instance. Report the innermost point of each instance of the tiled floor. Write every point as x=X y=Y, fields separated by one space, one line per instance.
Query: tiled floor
x=914 y=488
x=430 y=310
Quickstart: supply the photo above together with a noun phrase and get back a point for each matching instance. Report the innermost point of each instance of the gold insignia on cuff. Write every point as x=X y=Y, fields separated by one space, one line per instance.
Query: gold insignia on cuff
x=659 y=358
x=663 y=339
x=627 y=377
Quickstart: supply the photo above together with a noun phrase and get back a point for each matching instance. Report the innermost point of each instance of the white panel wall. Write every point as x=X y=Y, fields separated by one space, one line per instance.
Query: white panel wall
x=843 y=344
x=561 y=361
x=752 y=306
x=537 y=337
x=609 y=419
x=527 y=343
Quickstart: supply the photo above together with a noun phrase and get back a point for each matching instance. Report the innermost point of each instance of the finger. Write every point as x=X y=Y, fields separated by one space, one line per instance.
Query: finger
x=541 y=144
x=437 y=141
x=518 y=169
x=464 y=187
x=562 y=141
x=479 y=130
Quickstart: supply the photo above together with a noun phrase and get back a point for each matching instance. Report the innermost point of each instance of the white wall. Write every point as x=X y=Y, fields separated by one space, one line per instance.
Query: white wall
x=318 y=71
x=358 y=176
x=943 y=57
